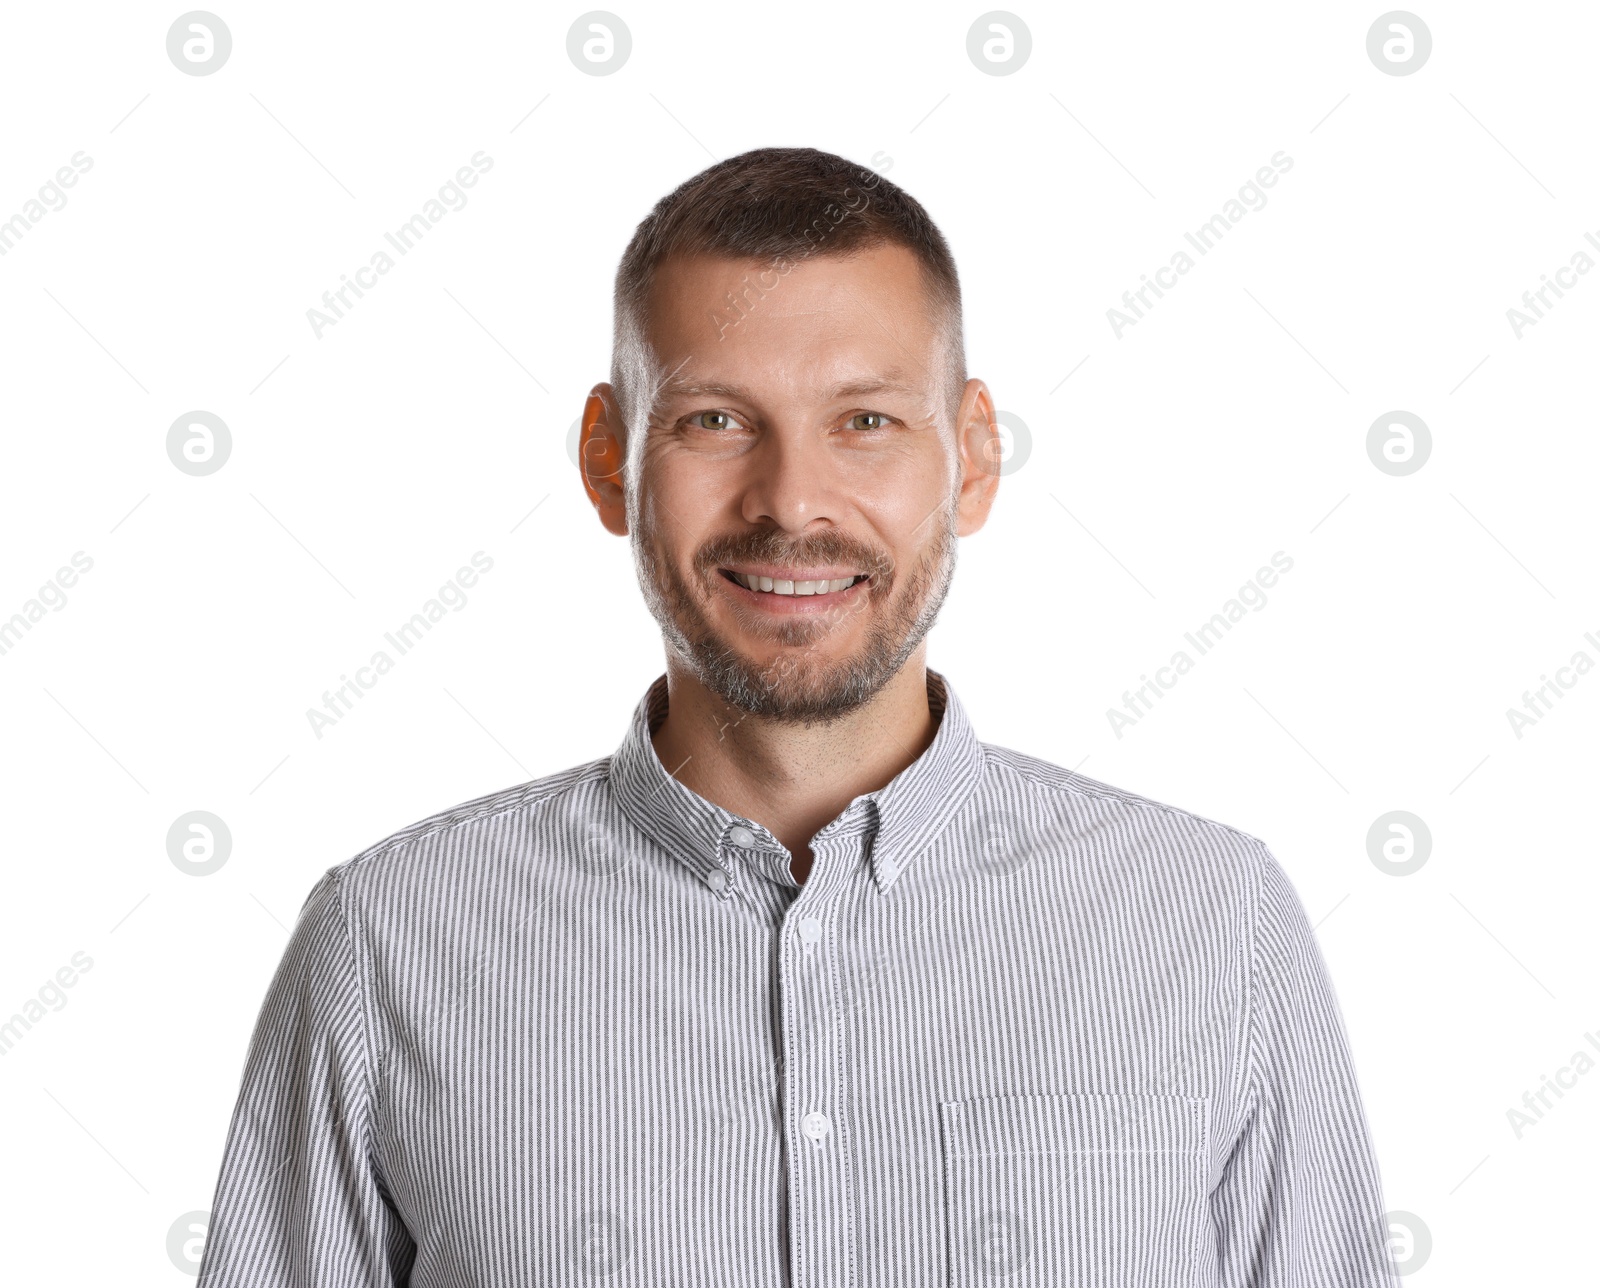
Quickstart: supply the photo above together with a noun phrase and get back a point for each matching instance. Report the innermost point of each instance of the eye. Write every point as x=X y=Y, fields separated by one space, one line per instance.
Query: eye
x=868 y=420
x=716 y=421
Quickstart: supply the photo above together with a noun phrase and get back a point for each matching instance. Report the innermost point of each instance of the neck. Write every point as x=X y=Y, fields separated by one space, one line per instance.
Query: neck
x=792 y=779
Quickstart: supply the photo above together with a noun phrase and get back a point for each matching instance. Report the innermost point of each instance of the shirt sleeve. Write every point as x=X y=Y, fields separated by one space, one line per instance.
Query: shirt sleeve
x=1299 y=1204
x=299 y=1199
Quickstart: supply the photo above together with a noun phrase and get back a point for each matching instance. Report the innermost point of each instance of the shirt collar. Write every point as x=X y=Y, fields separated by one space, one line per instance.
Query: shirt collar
x=901 y=819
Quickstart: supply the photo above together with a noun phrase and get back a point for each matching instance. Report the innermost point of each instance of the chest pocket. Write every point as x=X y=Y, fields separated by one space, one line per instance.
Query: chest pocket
x=1080 y=1190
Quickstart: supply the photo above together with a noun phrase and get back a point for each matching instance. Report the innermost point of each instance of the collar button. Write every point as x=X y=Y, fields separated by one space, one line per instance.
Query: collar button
x=743 y=837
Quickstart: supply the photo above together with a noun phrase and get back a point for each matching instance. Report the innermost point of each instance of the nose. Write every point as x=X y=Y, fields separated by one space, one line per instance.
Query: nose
x=792 y=482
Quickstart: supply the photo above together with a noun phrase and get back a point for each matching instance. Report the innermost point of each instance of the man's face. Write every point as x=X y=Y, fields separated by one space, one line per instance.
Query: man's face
x=804 y=443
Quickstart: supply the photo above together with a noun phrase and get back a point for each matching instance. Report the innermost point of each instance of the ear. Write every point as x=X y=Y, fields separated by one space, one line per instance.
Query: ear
x=602 y=450
x=980 y=448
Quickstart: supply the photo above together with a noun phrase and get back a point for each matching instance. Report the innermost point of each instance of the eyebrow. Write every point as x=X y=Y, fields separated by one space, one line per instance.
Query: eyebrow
x=850 y=389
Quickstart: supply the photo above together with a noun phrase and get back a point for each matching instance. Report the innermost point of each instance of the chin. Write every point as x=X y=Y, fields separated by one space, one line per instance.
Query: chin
x=803 y=686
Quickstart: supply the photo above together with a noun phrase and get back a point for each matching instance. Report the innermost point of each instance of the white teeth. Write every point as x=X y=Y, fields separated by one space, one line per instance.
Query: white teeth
x=780 y=587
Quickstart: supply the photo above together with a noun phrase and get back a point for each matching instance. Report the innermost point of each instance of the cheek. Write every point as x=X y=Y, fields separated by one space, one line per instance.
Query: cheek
x=899 y=506
x=693 y=490
x=678 y=514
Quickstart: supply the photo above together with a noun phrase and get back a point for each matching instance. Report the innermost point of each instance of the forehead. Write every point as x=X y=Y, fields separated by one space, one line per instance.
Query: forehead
x=818 y=323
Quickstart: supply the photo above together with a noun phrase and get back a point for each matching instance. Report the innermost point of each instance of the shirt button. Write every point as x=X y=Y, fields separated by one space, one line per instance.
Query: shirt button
x=810 y=930
x=716 y=879
x=743 y=837
x=816 y=1126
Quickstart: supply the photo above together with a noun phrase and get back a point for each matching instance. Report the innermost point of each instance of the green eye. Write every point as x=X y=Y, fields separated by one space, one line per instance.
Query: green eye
x=713 y=420
x=868 y=420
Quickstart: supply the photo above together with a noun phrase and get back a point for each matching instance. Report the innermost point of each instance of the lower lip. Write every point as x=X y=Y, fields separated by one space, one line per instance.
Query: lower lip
x=787 y=605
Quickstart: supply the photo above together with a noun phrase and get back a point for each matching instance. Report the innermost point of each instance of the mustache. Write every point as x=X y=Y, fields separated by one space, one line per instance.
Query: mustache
x=771 y=546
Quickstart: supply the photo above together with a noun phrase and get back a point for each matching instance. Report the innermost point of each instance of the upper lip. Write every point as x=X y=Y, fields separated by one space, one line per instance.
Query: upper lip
x=777 y=573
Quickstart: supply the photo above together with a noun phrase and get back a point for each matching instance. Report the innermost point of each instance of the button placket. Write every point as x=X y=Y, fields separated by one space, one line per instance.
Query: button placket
x=821 y=1217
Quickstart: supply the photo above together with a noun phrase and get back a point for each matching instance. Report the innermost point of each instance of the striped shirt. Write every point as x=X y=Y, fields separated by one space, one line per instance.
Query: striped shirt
x=1017 y=1026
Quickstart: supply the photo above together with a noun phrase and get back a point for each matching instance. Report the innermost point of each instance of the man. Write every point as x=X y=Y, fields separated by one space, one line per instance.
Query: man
x=805 y=984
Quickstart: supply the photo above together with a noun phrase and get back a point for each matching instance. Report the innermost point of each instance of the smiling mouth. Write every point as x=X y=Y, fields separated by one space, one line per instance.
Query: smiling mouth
x=780 y=586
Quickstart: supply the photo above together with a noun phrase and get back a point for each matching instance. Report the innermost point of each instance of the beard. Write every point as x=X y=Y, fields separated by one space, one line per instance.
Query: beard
x=797 y=685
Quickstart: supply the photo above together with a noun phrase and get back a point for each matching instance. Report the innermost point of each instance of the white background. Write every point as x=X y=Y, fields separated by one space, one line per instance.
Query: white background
x=370 y=463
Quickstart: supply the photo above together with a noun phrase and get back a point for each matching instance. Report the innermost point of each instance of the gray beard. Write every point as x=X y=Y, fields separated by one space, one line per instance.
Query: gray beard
x=796 y=687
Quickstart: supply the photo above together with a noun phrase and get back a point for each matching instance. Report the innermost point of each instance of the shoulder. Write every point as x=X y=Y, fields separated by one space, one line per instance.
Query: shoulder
x=1136 y=831
x=474 y=831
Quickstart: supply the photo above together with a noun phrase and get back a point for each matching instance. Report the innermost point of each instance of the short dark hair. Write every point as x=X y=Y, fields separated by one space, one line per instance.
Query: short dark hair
x=781 y=204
